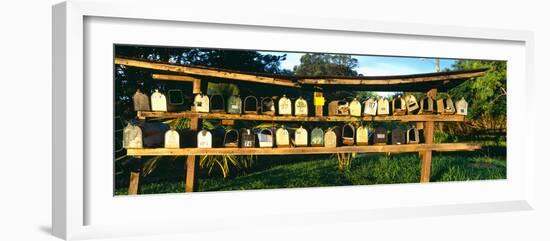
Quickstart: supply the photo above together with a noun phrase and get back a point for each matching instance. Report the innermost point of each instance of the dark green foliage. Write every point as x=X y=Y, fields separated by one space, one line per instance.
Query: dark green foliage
x=486 y=95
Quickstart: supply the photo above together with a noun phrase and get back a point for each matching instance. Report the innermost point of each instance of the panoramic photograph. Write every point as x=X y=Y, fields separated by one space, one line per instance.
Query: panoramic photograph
x=190 y=119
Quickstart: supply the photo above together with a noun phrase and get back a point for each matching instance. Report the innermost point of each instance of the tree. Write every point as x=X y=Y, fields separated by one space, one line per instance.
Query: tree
x=326 y=65
x=486 y=95
x=331 y=65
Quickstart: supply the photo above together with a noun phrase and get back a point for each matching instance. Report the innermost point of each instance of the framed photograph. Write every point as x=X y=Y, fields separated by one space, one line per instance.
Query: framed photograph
x=170 y=123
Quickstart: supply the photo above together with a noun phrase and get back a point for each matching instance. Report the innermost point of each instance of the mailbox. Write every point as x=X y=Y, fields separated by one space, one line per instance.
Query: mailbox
x=383 y=107
x=427 y=105
x=248 y=138
x=355 y=108
x=132 y=137
x=268 y=106
x=285 y=106
x=399 y=106
x=250 y=105
x=265 y=138
x=217 y=104
x=300 y=107
x=231 y=138
x=158 y=101
x=317 y=137
x=397 y=136
x=234 y=105
x=380 y=136
x=338 y=107
x=412 y=104
x=370 y=107
x=362 y=136
x=141 y=101
x=300 y=137
x=446 y=106
x=282 y=138
x=202 y=103
x=413 y=136
x=348 y=135
x=204 y=139
x=171 y=139
x=175 y=99
x=461 y=107
x=332 y=137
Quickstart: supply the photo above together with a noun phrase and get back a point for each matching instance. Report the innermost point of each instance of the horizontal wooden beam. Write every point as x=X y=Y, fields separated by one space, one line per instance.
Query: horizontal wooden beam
x=304 y=150
x=184 y=78
x=389 y=81
x=404 y=82
x=224 y=116
x=201 y=71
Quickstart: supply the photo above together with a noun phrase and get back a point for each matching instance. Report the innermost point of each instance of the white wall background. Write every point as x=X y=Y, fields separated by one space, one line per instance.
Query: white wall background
x=25 y=172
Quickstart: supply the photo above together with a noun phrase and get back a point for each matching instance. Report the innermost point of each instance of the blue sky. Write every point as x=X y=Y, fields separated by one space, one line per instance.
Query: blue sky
x=379 y=65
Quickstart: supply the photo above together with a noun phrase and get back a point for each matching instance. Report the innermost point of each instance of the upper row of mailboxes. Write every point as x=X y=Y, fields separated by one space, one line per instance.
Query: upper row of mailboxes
x=266 y=105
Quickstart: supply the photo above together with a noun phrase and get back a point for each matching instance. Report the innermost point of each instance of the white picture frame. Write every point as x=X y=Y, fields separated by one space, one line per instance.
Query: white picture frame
x=74 y=197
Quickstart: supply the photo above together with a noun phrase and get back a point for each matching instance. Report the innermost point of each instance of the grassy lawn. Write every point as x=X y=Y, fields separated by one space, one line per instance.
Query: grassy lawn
x=319 y=171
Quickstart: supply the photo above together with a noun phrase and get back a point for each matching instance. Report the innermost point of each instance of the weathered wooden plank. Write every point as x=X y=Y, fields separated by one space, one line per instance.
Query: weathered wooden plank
x=432 y=79
x=225 y=116
x=390 y=81
x=205 y=72
x=304 y=150
x=184 y=78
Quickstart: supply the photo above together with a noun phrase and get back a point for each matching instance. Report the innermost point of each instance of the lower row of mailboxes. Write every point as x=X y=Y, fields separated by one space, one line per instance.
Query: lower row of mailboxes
x=155 y=136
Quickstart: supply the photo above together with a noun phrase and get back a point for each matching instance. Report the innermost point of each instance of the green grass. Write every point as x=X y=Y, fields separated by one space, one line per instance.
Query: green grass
x=321 y=171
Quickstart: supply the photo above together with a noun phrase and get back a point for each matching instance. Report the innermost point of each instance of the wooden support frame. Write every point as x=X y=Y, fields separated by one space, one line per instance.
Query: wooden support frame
x=426 y=156
x=184 y=78
x=191 y=163
x=444 y=147
x=259 y=117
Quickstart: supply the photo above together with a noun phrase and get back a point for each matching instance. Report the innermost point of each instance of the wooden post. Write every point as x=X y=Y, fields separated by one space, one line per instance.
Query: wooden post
x=190 y=178
x=133 y=188
x=195 y=123
x=318 y=93
x=426 y=156
x=135 y=173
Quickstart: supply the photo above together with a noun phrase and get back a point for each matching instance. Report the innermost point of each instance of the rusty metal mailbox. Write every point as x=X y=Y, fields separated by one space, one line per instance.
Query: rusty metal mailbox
x=141 y=101
x=399 y=106
x=397 y=136
x=132 y=137
x=268 y=106
x=348 y=135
